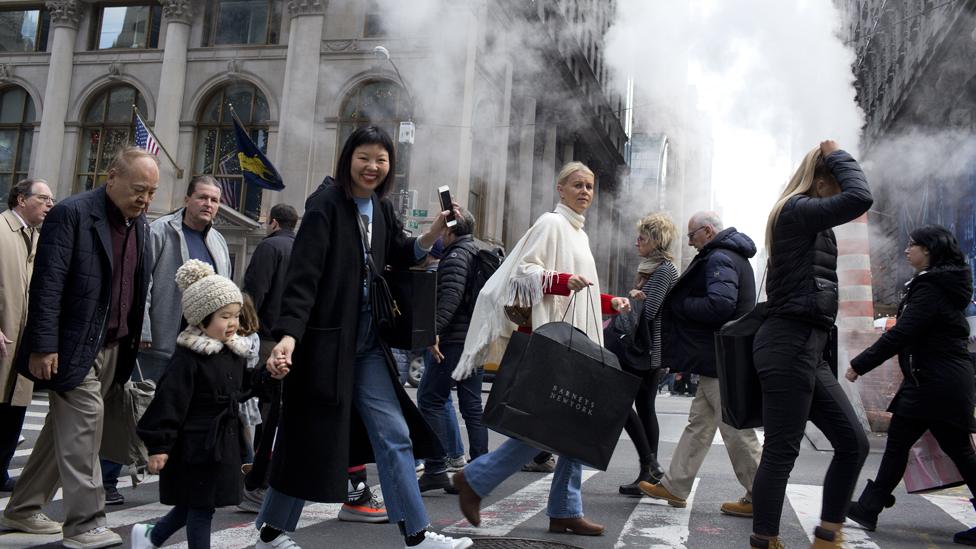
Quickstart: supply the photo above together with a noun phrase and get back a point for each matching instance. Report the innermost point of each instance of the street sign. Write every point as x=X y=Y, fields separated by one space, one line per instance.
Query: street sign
x=413 y=225
x=419 y=213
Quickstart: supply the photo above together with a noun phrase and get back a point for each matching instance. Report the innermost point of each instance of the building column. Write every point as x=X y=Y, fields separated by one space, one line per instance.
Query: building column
x=65 y=16
x=494 y=225
x=519 y=205
x=169 y=103
x=466 y=137
x=296 y=123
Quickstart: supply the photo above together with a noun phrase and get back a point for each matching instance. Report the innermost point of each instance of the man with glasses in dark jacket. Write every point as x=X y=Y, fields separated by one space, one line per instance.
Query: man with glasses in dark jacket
x=455 y=302
x=718 y=286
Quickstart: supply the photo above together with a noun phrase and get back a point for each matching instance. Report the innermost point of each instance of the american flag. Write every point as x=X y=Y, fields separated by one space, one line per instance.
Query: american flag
x=229 y=186
x=144 y=139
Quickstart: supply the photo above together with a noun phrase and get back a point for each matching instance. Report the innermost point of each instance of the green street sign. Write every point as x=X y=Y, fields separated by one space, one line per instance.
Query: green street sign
x=419 y=213
x=413 y=225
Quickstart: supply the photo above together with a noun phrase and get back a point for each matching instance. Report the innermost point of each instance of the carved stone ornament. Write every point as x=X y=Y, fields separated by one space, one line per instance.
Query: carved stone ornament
x=341 y=45
x=306 y=7
x=178 y=10
x=64 y=12
x=114 y=70
x=6 y=72
x=234 y=66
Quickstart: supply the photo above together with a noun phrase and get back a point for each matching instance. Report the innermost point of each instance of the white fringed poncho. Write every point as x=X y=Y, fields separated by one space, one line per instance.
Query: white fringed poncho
x=555 y=244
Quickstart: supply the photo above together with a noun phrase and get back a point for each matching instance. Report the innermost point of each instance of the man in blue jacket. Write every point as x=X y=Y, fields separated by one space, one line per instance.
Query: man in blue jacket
x=91 y=276
x=718 y=286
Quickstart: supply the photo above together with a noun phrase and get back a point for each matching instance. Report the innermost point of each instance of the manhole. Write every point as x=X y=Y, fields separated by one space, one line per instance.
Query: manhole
x=519 y=543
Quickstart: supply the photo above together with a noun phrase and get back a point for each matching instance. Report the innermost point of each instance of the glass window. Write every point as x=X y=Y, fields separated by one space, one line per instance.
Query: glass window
x=128 y=27
x=109 y=124
x=215 y=149
x=242 y=22
x=17 y=122
x=24 y=29
x=378 y=103
x=373 y=25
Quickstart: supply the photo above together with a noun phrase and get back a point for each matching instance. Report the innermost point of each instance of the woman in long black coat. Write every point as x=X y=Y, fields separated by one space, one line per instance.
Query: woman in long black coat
x=938 y=392
x=342 y=402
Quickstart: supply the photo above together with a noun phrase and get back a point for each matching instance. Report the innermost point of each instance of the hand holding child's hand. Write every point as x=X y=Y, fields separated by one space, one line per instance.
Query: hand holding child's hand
x=280 y=360
x=156 y=463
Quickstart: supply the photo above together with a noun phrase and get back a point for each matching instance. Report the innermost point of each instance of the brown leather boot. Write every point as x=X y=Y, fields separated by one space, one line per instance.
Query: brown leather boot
x=469 y=501
x=579 y=526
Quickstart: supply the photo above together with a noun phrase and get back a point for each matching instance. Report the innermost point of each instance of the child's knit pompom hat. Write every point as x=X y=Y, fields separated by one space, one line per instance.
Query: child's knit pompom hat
x=204 y=291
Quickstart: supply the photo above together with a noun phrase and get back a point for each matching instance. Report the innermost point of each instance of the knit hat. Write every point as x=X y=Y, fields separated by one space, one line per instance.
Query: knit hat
x=204 y=291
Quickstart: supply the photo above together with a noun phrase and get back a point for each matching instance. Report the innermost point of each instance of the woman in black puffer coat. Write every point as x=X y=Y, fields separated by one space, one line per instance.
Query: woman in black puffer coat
x=938 y=392
x=829 y=189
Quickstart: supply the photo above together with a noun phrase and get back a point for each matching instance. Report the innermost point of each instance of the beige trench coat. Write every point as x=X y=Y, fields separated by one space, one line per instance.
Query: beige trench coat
x=16 y=266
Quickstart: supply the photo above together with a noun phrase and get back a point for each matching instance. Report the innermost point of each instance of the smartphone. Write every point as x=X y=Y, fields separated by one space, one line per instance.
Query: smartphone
x=447 y=205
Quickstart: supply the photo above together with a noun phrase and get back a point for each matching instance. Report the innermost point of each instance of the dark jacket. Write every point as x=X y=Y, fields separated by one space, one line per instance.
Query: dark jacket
x=194 y=419
x=71 y=292
x=264 y=279
x=453 y=272
x=320 y=307
x=718 y=286
x=802 y=277
x=930 y=340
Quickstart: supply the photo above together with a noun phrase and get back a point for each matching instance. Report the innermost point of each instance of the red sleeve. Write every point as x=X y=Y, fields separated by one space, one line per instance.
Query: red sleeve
x=560 y=286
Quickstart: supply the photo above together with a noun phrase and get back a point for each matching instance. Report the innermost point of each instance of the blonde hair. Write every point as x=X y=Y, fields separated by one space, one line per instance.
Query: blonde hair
x=802 y=182
x=570 y=168
x=659 y=227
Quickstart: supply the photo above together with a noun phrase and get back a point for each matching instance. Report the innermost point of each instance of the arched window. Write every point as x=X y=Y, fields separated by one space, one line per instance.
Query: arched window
x=107 y=126
x=215 y=150
x=17 y=121
x=378 y=103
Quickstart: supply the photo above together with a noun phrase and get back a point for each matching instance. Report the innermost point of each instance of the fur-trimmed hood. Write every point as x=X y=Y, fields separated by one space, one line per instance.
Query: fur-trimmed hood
x=195 y=340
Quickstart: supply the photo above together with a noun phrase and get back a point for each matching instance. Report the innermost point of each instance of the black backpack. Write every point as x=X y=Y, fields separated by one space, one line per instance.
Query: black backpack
x=486 y=261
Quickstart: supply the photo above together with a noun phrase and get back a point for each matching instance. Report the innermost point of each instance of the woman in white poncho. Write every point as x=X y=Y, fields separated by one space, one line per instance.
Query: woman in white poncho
x=552 y=260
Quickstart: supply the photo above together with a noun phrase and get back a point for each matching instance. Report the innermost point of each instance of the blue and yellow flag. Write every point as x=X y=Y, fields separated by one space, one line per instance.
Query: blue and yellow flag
x=255 y=167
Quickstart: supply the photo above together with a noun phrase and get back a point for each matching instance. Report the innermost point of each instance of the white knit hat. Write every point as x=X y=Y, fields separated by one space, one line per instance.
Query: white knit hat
x=204 y=291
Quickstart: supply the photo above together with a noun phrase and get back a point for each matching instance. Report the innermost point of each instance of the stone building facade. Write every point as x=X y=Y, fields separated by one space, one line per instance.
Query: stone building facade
x=500 y=93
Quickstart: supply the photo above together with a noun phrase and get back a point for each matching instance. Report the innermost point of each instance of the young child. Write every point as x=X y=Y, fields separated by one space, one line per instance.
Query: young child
x=192 y=427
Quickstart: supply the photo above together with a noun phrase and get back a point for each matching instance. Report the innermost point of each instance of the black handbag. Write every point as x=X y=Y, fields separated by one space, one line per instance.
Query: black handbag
x=627 y=336
x=404 y=316
x=738 y=381
x=559 y=391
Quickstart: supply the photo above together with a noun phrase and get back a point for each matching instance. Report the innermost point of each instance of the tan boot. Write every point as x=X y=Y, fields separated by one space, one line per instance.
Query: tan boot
x=658 y=491
x=741 y=508
x=826 y=539
x=760 y=543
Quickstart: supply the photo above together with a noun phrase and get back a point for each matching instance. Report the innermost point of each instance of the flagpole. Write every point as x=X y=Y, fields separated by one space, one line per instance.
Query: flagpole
x=179 y=170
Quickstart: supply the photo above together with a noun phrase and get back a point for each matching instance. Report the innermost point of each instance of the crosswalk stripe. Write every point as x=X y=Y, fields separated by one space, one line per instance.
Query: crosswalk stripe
x=654 y=524
x=125 y=482
x=36 y=414
x=115 y=519
x=506 y=514
x=39 y=403
x=806 y=502
x=957 y=507
x=32 y=427
x=246 y=535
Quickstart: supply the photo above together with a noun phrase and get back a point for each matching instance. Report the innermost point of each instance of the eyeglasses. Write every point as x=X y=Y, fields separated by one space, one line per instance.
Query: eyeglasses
x=693 y=233
x=44 y=198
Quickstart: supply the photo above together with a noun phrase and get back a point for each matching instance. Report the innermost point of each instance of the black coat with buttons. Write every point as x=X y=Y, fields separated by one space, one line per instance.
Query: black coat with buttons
x=930 y=340
x=194 y=419
x=71 y=291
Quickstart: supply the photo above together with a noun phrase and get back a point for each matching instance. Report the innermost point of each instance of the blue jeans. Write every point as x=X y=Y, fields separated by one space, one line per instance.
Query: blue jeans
x=197 y=522
x=374 y=397
x=434 y=399
x=489 y=470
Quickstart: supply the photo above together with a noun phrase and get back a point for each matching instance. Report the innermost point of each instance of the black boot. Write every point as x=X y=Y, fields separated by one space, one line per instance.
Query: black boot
x=866 y=509
x=651 y=472
x=969 y=536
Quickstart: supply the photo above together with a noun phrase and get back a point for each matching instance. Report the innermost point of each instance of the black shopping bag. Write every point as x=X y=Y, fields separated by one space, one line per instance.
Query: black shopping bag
x=415 y=294
x=627 y=336
x=561 y=392
x=738 y=381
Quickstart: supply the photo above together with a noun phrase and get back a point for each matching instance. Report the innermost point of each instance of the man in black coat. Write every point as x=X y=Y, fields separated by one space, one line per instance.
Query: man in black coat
x=83 y=325
x=264 y=279
x=718 y=286
x=455 y=274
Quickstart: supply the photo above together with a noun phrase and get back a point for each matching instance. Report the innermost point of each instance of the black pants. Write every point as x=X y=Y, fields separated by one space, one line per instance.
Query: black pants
x=11 y=422
x=797 y=385
x=905 y=431
x=642 y=426
x=197 y=521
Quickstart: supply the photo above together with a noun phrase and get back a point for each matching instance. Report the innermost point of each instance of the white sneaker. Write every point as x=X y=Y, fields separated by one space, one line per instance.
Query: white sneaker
x=96 y=538
x=140 y=537
x=433 y=540
x=38 y=523
x=280 y=542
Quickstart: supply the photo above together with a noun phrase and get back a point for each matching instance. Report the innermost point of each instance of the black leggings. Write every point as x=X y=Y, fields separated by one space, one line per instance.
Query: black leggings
x=642 y=426
x=797 y=384
x=905 y=431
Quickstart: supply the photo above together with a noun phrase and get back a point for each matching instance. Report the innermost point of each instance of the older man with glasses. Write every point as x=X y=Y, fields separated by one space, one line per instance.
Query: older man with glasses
x=28 y=203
